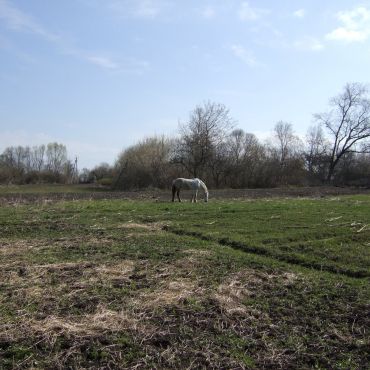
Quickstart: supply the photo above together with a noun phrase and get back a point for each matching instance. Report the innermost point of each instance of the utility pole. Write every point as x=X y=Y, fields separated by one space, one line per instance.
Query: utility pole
x=75 y=171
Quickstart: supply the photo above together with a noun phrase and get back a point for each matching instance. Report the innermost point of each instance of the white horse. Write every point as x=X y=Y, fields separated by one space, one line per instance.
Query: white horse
x=193 y=184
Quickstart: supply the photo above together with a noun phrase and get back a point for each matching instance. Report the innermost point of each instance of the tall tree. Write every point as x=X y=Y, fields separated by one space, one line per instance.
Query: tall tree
x=236 y=141
x=286 y=141
x=316 y=153
x=56 y=155
x=38 y=157
x=285 y=151
x=206 y=129
x=348 y=123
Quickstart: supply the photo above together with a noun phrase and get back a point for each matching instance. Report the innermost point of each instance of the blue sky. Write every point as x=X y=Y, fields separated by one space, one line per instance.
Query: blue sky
x=98 y=75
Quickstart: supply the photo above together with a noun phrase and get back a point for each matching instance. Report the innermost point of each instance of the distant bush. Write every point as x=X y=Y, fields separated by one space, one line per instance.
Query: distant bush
x=106 y=181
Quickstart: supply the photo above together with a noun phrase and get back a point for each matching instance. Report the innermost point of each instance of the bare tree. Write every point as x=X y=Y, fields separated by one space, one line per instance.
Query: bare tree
x=8 y=157
x=245 y=155
x=348 y=123
x=56 y=155
x=253 y=157
x=285 y=155
x=219 y=164
x=286 y=141
x=206 y=129
x=236 y=141
x=38 y=157
x=17 y=158
x=317 y=148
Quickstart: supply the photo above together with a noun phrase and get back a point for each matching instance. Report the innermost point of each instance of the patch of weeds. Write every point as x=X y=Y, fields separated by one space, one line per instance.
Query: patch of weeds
x=237 y=347
x=130 y=351
x=14 y=353
x=96 y=354
x=193 y=304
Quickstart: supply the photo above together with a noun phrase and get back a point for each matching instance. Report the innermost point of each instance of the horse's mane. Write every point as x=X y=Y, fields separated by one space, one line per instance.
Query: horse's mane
x=203 y=185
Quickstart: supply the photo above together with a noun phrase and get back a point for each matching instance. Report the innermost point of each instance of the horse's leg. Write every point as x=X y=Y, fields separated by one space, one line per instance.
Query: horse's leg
x=195 y=196
x=173 y=193
x=178 y=195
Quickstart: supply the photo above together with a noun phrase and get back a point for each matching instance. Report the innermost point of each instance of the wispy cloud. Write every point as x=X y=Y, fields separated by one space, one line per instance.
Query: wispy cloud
x=133 y=66
x=109 y=63
x=20 y=21
x=355 y=26
x=246 y=56
x=300 y=13
x=248 y=13
x=102 y=61
x=309 y=44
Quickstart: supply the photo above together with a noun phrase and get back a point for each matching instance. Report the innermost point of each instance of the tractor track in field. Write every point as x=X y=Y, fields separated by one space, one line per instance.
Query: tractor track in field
x=291 y=258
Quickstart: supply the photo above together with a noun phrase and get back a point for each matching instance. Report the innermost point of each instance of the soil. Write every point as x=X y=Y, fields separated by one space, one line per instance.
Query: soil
x=165 y=195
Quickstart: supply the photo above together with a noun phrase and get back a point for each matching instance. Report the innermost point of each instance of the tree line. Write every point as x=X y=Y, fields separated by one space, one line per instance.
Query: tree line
x=38 y=164
x=209 y=145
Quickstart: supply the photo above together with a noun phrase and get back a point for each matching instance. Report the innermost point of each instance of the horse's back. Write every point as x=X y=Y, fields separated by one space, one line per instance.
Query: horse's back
x=181 y=182
x=178 y=182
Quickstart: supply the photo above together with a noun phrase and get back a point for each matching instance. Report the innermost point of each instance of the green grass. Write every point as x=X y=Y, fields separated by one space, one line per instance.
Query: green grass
x=229 y=284
x=325 y=234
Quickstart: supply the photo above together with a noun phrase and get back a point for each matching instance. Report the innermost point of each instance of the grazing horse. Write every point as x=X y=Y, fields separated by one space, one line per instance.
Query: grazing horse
x=193 y=184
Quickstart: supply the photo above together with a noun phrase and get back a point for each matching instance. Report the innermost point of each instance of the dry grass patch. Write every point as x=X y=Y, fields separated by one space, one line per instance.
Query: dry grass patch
x=103 y=319
x=10 y=249
x=116 y=274
x=194 y=259
x=175 y=282
x=75 y=341
x=171 y=293
x=232 y=293
x=153 y=226
x=17 y=248
x=123 y=268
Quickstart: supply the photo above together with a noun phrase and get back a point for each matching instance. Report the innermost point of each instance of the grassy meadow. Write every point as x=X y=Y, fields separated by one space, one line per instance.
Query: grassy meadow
x=277 y=283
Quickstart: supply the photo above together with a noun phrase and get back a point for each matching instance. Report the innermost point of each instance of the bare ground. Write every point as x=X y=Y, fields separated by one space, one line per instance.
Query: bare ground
x=165 y=195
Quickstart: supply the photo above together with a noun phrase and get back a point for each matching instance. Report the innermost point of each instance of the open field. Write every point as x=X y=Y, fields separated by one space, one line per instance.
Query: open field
x=265 y=283
x=35 y=193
